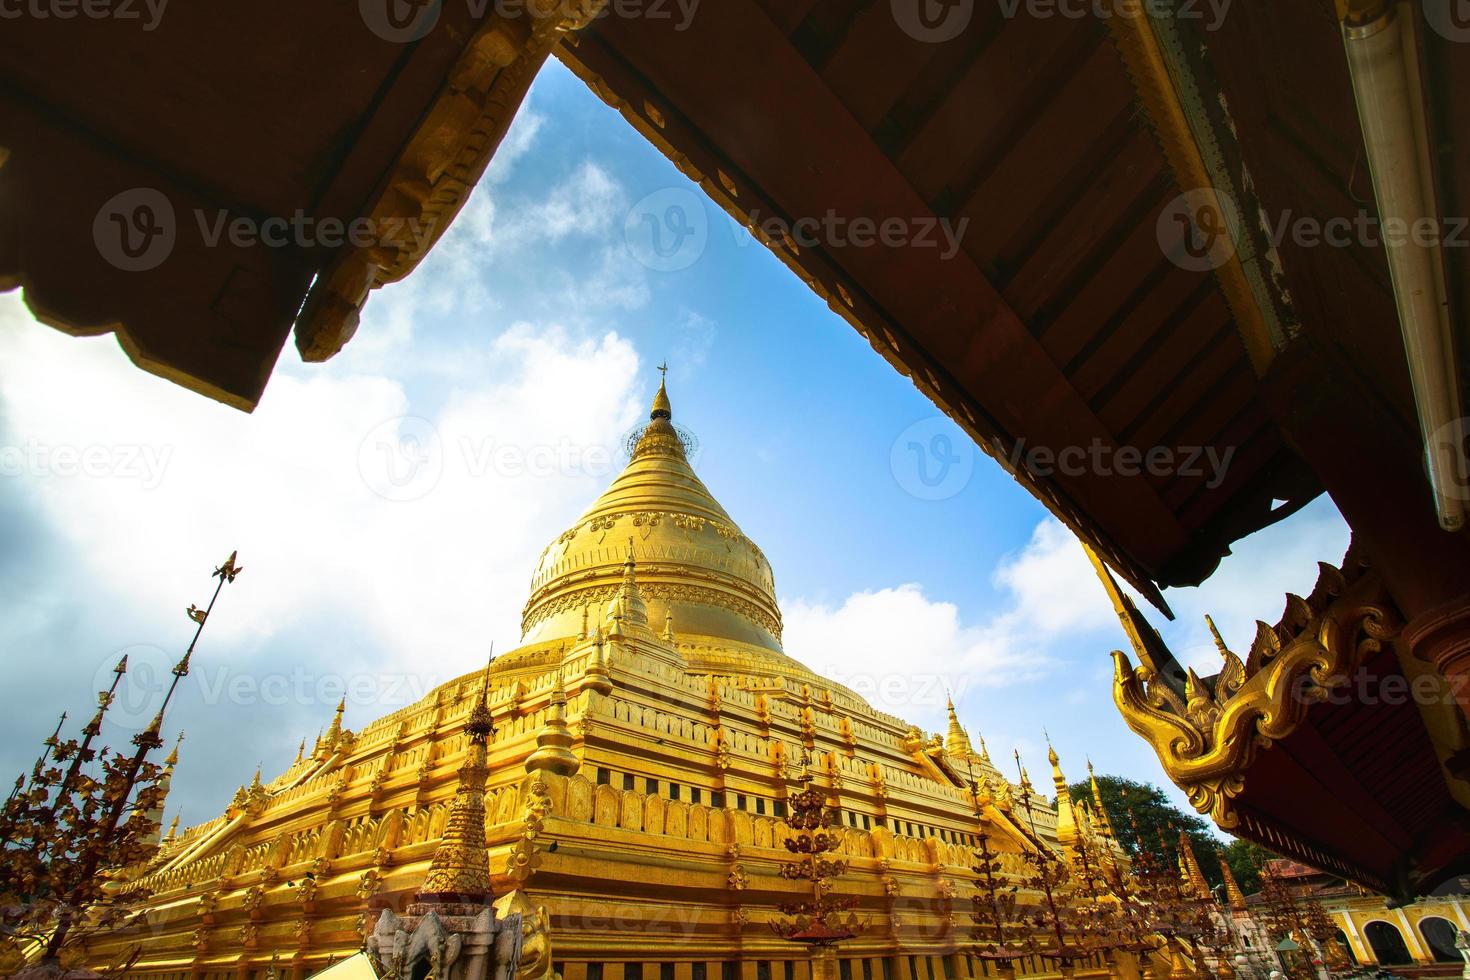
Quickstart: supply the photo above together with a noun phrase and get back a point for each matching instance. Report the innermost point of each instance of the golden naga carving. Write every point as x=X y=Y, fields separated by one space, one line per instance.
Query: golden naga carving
x=1207 y=731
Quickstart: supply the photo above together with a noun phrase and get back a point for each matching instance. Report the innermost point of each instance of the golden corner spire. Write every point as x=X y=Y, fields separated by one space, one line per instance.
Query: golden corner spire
x=1105 y=824
x=1233 y=895
x=1066 y=817
x=460 y=870
x=173 y=756
x=627 y=611
x=1193 y=877
x=554 y=742
x=334 y=730
x=957 y=741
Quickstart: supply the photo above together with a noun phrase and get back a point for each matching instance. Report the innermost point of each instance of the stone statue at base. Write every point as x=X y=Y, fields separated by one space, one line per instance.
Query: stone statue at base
x=446 y=942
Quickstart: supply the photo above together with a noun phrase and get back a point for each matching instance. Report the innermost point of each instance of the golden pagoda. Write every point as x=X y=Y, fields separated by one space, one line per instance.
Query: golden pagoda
x=641 y=748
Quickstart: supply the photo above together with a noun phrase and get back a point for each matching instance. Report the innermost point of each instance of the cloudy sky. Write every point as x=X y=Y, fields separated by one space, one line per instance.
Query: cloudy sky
x=389 y=505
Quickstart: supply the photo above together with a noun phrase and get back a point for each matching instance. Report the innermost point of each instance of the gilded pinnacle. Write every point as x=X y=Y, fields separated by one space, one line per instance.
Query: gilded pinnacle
x=554 y=742
x=460 y=869
x=661 y=407
x=956 y=741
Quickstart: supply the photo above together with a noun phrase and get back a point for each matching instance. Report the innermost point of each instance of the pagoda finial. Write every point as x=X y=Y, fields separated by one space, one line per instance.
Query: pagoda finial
x=956 y=741
x=460 y=869
x=627 y=611
x=300 y=753
x=480 y=725
x=597 y=677
x=669 y=626
x=661 y=407
x=173 y=828
x=554 y=742
x=1233 y=894
x=334 y=730
x=1103 y=822
x=1193 y=877
x=1066 y=818
x=173 y=755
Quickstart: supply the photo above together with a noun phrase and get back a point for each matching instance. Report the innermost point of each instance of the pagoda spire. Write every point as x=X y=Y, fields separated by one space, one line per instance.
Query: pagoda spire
x=460 y=870
x=334 y=730
x=1233 y=894
x=627 y=610
x=554 y=742
x=1103 y=821
x=1066 y=817
x=661 y=408
x=957 y=741
x=1193 y=877
x=597 y=677
x=165 y=781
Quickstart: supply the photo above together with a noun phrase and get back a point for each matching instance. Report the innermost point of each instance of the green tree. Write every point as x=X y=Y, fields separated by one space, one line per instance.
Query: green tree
x=1158 y=821
x=1246 y=860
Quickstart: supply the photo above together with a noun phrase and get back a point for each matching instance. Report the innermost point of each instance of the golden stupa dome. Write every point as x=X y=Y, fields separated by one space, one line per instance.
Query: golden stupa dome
x=691 y=560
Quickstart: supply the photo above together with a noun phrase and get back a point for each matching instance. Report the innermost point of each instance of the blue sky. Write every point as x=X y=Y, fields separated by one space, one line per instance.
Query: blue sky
x=512 y=363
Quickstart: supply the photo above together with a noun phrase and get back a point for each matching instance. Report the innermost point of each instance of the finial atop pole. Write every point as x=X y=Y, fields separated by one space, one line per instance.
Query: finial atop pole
x=173 y=756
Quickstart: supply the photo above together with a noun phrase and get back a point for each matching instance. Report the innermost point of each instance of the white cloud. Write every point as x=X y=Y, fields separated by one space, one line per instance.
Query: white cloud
x=297 y=485
x=903 y=650
x=518 y=141
x=1053 y=587
x=694 y=335
x=587 y=203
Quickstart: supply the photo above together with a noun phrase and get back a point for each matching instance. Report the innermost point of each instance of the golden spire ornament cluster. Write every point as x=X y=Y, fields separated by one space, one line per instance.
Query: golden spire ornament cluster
x=460 y=870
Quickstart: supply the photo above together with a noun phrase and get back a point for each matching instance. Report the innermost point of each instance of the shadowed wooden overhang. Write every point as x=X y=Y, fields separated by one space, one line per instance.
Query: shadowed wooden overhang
x=244 y=112
x=1063 y=140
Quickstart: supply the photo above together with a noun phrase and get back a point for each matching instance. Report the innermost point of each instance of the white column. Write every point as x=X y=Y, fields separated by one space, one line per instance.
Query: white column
x=1460 y=914
x=1361 y=949
x=1416 y=947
